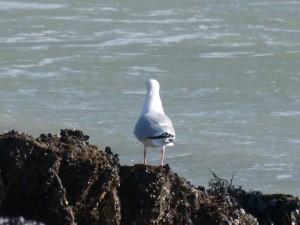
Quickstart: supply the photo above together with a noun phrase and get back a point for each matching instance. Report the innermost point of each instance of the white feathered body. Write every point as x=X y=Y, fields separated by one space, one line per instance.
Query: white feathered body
x=154 y=128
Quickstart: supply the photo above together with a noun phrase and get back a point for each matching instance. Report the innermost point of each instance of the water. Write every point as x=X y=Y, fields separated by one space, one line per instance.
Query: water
x=229 y=74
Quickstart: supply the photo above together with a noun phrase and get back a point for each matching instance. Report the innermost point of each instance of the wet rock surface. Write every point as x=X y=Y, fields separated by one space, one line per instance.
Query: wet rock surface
x=62 y=179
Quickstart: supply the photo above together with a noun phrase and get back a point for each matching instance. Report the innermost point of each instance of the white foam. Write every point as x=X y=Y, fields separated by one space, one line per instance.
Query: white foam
x=285 y=114
x=223 y=54
x=284 y=176
x=5 y=5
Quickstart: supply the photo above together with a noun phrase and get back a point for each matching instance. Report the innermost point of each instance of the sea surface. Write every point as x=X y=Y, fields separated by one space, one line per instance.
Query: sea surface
x=229 y=73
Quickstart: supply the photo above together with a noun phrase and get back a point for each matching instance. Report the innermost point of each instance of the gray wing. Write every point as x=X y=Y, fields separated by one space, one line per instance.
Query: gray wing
x=153 y=125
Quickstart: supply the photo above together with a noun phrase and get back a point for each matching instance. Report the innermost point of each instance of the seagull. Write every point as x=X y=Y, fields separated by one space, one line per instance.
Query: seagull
x=154 y=128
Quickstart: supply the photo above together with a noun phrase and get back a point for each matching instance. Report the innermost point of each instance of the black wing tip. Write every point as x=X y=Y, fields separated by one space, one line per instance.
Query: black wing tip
x=164 y=135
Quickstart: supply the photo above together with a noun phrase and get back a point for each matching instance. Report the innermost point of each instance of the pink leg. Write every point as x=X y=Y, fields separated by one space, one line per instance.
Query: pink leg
x=162 y=155
x=145 y=155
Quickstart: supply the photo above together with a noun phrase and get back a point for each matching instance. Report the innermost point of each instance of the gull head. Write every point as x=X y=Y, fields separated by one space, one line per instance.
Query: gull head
x=152 y=86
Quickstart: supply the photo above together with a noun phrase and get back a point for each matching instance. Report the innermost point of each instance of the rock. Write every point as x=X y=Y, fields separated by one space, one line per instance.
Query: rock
x=63 y=180
x=156 y=195
x=278 y=209
x=58 y=180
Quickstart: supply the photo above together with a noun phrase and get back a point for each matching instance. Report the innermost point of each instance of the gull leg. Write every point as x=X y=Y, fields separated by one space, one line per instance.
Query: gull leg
x=145 y=155
x=162 y=155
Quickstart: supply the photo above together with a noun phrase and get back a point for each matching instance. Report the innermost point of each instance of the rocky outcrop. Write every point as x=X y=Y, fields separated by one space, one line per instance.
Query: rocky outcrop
x=269 y=209
x=62 y=179
x=58 y=179
x=156 y=195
